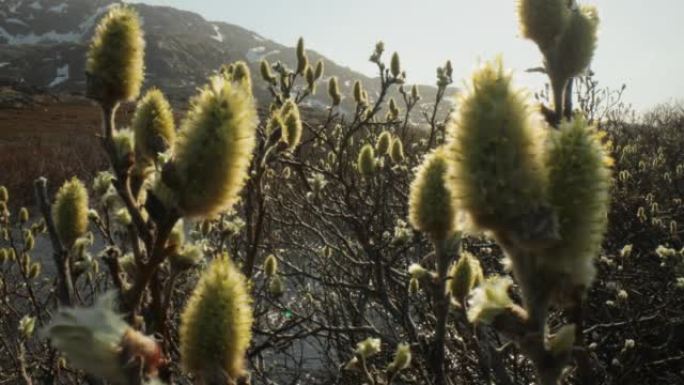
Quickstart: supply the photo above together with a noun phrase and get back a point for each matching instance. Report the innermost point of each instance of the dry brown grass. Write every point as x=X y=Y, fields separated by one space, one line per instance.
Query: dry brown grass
x=24 y=162
x=56 y=140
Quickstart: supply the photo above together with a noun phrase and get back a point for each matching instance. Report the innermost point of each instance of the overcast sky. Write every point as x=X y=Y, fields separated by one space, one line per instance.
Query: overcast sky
x=641 y=42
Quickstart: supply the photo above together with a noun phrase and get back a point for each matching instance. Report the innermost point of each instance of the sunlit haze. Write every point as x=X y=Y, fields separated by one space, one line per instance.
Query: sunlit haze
x=640 y=41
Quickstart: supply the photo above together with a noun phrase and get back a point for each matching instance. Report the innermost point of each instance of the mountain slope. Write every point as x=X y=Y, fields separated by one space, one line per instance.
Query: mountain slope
x=43 y=45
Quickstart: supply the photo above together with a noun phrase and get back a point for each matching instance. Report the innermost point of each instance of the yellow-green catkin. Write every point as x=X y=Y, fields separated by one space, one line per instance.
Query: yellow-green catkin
x=366 y=162
x=397 y=151
x=276 y=287
x=576 y=45
x=414 y=286
x=358 y=92
x=368 y=347
x=415 y=95
x=292 y=124
x=29 y=241
x=242 y=75
x=176 y=237
x=70 y=211
x=320 y=67
x=216 y=324
x=395 y=65
x=115 y=63
x=302 y=59
x=464 y=276
x=311 y=79
x=393 y=113
x=431 y=207
x=382 y=145
x=23 y=215
x=153 y=127
x=34 y=270
x=489 y=299
x=275 y=122
x=270 y=265
x=124 y=146
x=543 y=21
x=334 y=91
x=213 y=149
x=186 y=257
x=579 y=185
x=497 y=172
x=4 y=195
x=402 y=358
x=266 y=73
x=239 y=74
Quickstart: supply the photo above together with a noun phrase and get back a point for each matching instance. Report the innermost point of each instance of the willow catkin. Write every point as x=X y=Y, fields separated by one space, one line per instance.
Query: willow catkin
x=70 y=211
x=495 y=150
x=153 y=127
x=115 y=62
x=431 y=207
x=213 y=149
x=216 y=324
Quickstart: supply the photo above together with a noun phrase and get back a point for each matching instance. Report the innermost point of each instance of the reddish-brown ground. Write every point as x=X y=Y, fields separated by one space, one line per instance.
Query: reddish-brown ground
x=52 y=137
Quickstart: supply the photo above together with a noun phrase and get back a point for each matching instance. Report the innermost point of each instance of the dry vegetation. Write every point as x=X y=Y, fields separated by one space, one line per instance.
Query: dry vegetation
x=344 y=288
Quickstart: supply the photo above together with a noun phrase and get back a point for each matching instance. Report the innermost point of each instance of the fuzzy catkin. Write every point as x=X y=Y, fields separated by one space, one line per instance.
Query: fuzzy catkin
x=302 y=59
x=70 y=211
x=214 y=148
x=270 y=265
x=397 y=151
x=366 y=161
x=216 y=324
x=292 y=124
x=402 y=358
x=153 y=127
x=382 y=146
x=358 y=92
x=465 y=275
x=495 y=150
x=579 y=187
x=395 y=65
x=266 y=73
x=430 y=201
x=115 y=59
x=576 y=45
x=320 y=67
x=543 y=21
x=334 y=91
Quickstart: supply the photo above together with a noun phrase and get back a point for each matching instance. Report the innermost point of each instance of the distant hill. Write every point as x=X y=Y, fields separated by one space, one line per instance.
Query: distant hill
x=43 y=45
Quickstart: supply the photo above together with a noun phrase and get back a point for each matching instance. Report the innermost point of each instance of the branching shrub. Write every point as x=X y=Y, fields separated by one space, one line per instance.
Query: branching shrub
x=355 y=246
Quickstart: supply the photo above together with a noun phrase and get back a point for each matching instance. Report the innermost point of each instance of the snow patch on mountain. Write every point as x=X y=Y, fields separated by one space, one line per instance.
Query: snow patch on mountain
x=315 y=104
x=62 y=76
x=4 y=64
x=13 y=8
x=48 y=37
x=258 y=38
x=36 y=5
x=58 y=8
x=14 y=20
x=257 y=54
x=217 y=36
x=53 y=36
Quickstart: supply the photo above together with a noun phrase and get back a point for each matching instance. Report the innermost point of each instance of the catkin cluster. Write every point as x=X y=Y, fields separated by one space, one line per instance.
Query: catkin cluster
x=542 y=193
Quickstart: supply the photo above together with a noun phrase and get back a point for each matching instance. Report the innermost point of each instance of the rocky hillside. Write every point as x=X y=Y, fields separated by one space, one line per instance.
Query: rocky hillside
x=43 y=45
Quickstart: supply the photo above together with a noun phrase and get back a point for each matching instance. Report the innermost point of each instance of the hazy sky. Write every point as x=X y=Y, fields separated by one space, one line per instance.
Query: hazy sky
x=641 y=42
